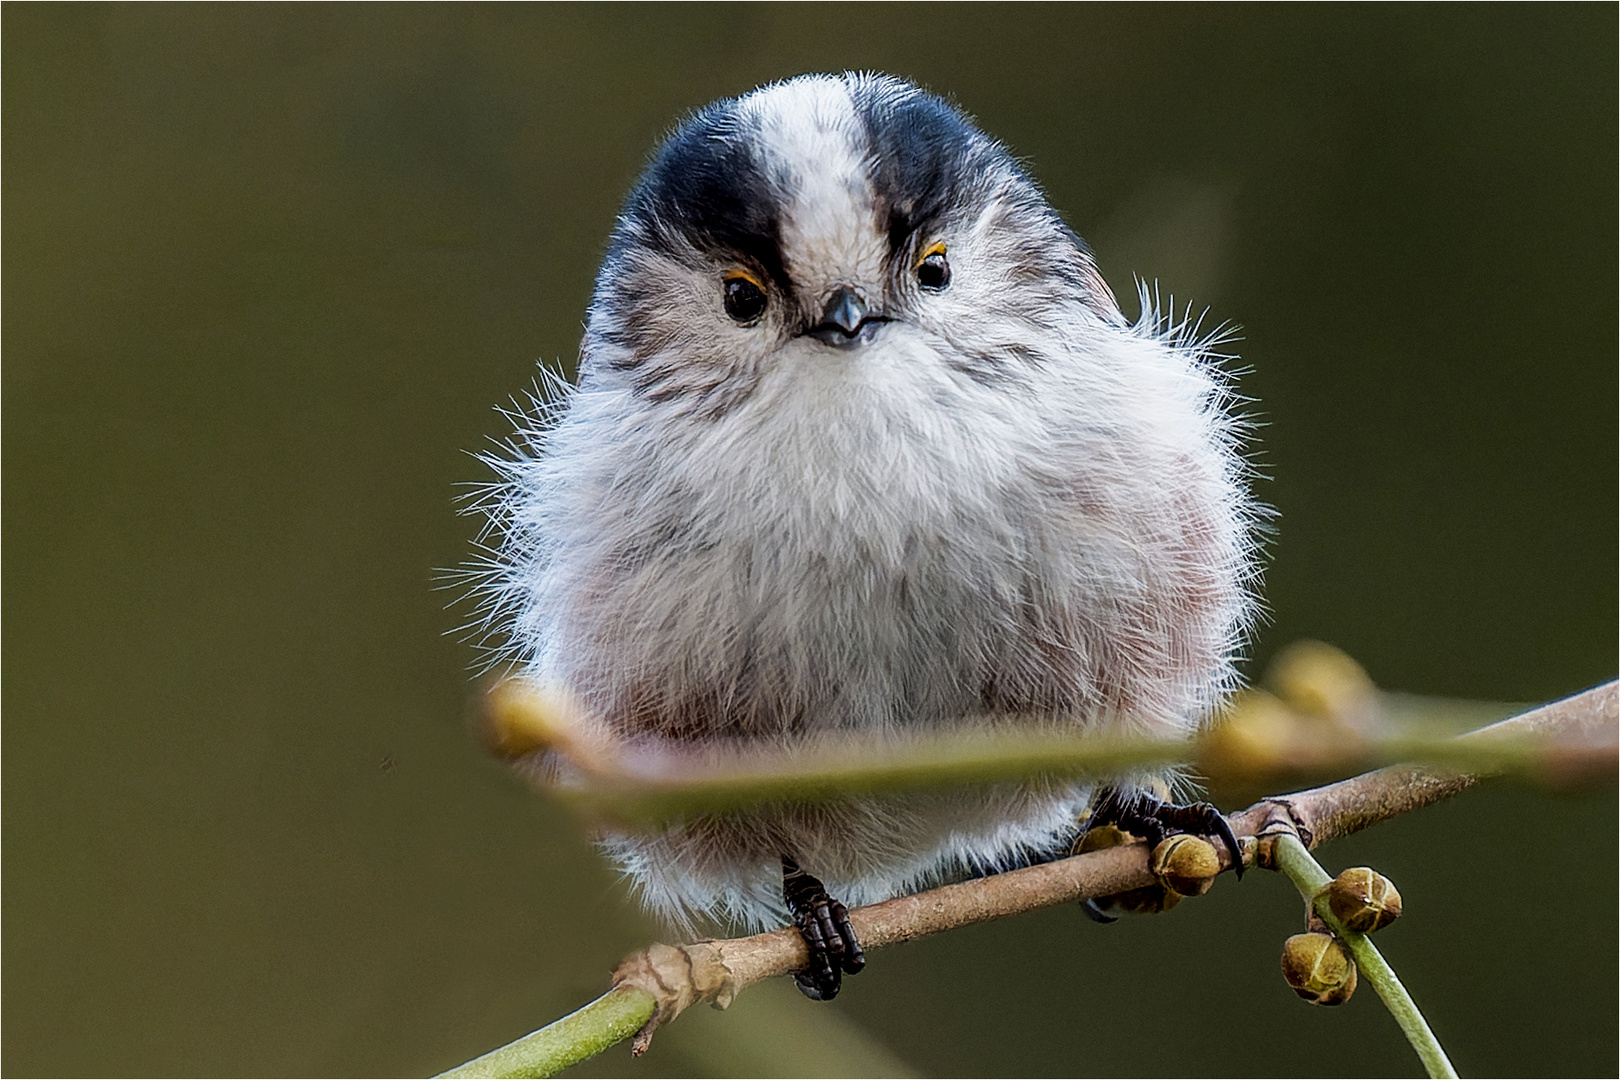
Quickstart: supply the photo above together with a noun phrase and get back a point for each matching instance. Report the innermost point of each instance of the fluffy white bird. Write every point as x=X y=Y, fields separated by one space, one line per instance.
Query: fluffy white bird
x=862 y=443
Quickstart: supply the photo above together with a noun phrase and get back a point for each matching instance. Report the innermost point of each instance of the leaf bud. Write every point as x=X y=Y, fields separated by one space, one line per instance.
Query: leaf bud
x=1363 y=899
x=1319 y=968
x=1186 y=864
x=1253 y=738
x=1148 y=900
x=517 y=720
x=1100 y=837
x=1320 y=679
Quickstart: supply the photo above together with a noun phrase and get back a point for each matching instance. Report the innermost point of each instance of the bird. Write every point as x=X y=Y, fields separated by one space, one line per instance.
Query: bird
x=861 y=444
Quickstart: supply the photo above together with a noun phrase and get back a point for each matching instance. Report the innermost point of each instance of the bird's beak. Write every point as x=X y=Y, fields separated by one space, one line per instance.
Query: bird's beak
x=845 y=310
x=845 y=319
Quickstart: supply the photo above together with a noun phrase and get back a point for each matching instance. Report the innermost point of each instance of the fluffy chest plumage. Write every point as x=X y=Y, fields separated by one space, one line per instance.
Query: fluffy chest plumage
x=850 y=547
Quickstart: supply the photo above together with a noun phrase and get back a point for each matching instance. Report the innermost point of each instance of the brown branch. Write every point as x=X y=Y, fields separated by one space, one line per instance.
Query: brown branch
x=661 y=981
x=716 y=971
x=1326 y=813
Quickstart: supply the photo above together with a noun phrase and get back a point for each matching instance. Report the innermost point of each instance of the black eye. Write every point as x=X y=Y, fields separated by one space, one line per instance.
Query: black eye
x=934 y=273
x=745 y=301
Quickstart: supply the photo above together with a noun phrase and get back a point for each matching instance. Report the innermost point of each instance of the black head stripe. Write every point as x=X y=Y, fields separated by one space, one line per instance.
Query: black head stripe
x=929 y=160
x=706 y=186
x=922 y=150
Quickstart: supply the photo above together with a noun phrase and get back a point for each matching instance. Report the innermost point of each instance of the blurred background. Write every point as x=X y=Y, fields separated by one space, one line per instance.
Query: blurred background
x=270 y=267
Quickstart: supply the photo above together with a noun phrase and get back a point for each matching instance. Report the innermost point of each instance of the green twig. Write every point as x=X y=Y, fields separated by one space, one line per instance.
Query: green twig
x=613 y=1017
x=1309 y=878
x=634 y=793
x=670 y=788
x=1323 y=814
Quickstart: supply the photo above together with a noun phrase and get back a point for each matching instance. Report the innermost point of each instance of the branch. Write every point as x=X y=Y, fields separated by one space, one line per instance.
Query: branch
x=1327 y=813
x=1262 y=740
x=673 y=978
x=1309 y=877
x=611 y=1018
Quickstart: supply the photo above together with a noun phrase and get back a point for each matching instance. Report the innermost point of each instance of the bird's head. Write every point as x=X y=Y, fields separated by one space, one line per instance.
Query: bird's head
x=827 y=217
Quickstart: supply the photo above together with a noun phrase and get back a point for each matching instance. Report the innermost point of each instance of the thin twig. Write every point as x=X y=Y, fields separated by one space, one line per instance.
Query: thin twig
x=631 y=785
x=716 y=971
x=584 y=1033
x=1310 y=878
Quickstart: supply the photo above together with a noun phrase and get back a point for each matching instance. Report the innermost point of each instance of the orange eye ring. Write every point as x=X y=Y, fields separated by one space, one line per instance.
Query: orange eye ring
x=744 y=275
x=936 y=248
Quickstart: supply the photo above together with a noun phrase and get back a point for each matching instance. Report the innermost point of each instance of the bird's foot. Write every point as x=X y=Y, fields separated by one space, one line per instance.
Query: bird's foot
x=1143 y=815
x=824 y=924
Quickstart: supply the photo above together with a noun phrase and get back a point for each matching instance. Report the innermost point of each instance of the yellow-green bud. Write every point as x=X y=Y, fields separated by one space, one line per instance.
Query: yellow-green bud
x=1363 y=899
x=1319 y=968
x=1102 y=836
x=1320 y=679
x=1186 y=864
x=1148 y=900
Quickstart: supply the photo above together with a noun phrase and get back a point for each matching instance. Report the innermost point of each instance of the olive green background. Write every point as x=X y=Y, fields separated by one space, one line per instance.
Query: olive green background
x=268 y=268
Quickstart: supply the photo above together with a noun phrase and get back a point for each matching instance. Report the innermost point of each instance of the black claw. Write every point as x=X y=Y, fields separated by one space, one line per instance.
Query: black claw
x=854 y=959
x=1095 y=913
x=1140 y=814
x=1223 y=828
x=824 y=924
x=814 y=989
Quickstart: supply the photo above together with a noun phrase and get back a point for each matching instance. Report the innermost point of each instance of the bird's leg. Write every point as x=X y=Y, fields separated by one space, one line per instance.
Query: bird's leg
x=1144 y=815
x=824 y=924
